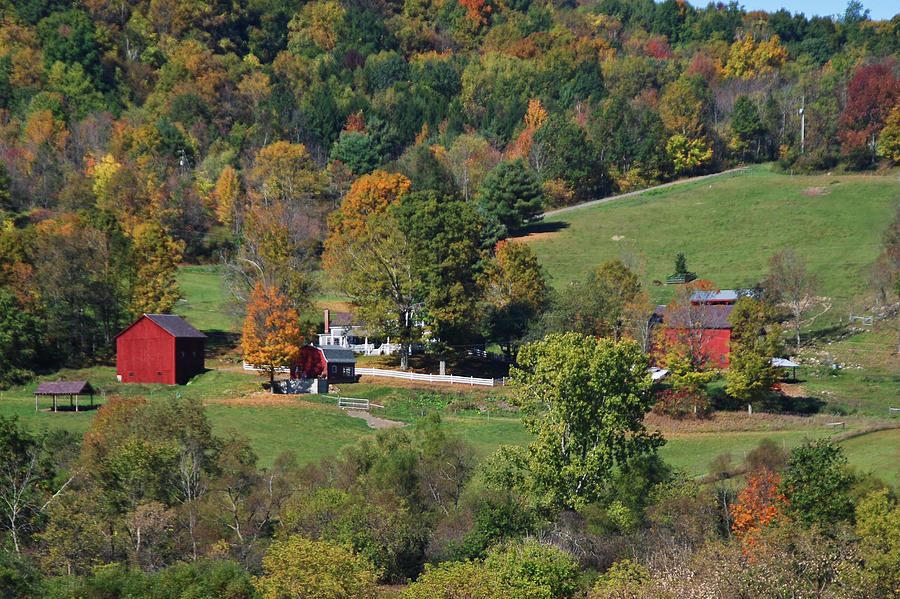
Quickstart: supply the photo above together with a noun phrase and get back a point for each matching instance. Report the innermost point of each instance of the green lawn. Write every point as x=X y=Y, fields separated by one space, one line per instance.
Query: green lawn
x=878 y=453
x=728 y=227
x=312 y=432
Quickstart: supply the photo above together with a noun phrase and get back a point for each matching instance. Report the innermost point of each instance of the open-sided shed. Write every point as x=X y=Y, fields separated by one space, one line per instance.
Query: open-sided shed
x=74 y=389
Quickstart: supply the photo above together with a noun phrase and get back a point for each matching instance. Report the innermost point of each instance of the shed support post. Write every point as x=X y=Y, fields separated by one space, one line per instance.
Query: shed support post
x=76 y=403
x=35 y=402
x=54 y=403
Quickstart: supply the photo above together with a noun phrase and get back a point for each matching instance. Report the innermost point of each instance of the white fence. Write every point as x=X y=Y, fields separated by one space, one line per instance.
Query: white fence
x=431 y=378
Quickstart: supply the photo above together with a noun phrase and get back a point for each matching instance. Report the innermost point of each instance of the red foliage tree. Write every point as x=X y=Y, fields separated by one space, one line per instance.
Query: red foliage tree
x=871 y=94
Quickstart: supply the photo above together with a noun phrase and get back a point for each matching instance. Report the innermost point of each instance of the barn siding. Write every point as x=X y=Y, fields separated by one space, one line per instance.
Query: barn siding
x=145 y=353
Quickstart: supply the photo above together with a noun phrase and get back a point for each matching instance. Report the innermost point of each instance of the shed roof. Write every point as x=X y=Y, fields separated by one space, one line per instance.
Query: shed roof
x=699 y=316
x=337 y=354
x=721 y=295
x=170 y=323
x=64 y=388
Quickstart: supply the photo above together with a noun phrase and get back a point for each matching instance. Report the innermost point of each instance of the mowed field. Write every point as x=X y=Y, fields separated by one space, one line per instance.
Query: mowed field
x=728 y=227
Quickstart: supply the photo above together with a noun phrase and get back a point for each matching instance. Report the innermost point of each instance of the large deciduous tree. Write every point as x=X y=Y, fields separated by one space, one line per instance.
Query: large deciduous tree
x=445 y=238
x=370 y=258
x=584 y=399
x=516 y=292
x=817 y=484
x=155 y=288
x=871 y=94
x=272 y=333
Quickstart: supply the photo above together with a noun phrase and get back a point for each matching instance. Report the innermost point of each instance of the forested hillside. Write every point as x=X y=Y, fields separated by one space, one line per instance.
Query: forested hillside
x=136 y=135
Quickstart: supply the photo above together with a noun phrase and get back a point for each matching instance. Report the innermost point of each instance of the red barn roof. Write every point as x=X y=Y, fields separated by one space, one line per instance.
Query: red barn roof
x=697 y=317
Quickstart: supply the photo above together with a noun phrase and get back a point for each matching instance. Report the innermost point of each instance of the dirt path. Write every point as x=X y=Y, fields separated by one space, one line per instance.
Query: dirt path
x=374 y=421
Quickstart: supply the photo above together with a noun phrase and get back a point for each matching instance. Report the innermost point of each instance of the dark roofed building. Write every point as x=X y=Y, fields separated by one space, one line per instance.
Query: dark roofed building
x=159 y=348
x=333 y=362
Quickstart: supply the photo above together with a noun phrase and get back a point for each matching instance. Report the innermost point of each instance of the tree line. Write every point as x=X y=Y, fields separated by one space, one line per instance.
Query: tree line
x=135 y=136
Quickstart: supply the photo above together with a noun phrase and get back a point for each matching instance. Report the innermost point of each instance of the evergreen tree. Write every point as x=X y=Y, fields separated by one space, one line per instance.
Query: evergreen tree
x=512 y=195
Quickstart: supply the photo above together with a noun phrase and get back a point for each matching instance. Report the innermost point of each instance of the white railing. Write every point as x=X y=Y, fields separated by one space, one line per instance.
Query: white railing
x=353 y=403
x=430 y=378
x=280 y=369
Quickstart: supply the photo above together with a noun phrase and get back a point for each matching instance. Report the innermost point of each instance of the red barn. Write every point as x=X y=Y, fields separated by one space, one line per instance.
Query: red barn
x=704 y=327
x=332 y=361
x=159 y=348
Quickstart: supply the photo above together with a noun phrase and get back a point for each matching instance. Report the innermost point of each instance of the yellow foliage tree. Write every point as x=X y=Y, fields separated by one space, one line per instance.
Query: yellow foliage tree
x=272 y=334
x=284 y=172
x=749 y=58
x=227 y=194
x=155 y=289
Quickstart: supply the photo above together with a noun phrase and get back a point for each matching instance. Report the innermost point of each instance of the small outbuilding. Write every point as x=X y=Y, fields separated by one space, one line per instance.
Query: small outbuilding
x=159 y=348
x=74 y=389
x=333 y=362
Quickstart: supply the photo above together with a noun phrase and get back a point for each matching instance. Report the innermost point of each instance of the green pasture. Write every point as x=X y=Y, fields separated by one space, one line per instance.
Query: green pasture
x=203 y=304
x=728 y=227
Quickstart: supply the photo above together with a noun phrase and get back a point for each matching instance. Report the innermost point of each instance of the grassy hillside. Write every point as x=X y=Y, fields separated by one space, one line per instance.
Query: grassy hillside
x=203 y=304
x=728 y=227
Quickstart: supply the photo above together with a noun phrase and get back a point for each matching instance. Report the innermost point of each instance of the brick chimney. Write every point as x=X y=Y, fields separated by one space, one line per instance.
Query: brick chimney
x=327 y=321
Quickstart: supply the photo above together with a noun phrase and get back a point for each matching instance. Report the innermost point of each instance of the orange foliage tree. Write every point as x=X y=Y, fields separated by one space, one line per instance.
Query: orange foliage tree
x=272 y=332
x=370 y=194
x=760 y=504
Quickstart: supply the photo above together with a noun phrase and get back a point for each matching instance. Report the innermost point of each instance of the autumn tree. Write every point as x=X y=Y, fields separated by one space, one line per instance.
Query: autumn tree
x=155 y=289
x=227 y=196
x=872 y=93
x=749 y=58
x=371 y=259
x=272 y=335
x=758 y=506
x=584 y=399
x=517 y=292
x=284 y=173
x=889 y=138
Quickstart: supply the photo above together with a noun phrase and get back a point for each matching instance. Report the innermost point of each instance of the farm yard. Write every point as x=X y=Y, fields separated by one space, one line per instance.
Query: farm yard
x=313 y=427
x=756 y=214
